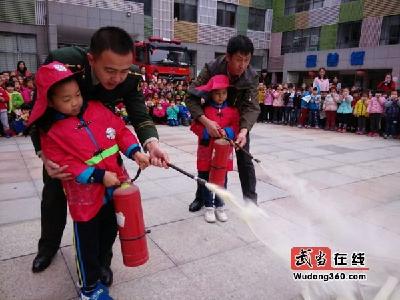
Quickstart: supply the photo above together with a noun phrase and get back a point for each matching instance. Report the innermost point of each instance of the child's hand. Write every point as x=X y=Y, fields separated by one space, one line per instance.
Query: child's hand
x=143 y=160
x=110 y=179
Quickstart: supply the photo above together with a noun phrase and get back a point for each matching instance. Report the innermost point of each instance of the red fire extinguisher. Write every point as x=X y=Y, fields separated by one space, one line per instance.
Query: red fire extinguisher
x=132 y=233
x=219 y=161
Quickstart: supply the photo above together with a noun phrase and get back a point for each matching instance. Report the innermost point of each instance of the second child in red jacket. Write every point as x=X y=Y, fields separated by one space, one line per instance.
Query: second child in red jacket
x=4 y=98
x=227 y=118
x=87 y=138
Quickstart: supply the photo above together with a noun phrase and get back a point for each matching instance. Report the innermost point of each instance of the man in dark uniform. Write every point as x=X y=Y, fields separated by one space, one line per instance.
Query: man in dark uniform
x=242 y=94
x=103 y=75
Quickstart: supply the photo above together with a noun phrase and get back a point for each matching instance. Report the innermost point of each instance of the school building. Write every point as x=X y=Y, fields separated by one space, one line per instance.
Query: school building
x=29 y=29
x=356 y=40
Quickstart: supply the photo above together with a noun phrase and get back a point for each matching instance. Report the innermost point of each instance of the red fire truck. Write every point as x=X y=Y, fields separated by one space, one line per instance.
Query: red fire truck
x=166 y=56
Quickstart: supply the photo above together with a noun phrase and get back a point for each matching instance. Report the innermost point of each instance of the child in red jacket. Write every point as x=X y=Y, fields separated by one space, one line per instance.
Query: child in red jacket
x=4 y=98
x=227 y=117
x=86 y=137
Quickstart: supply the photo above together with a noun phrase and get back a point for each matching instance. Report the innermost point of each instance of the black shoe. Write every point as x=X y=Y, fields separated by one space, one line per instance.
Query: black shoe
x=106 y=276
x=196 y=205
x=41 y=262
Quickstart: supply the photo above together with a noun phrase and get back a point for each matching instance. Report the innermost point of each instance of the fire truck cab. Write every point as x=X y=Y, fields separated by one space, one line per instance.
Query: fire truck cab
x=166 y=56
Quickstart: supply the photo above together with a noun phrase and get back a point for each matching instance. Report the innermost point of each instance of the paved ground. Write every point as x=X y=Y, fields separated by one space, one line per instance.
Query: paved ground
x=190 y=259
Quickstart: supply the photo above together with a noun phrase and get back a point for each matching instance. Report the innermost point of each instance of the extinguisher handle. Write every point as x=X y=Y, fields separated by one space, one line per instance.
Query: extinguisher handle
x=236 y=145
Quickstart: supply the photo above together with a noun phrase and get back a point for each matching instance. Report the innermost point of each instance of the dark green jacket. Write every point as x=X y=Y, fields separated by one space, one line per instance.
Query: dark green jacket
x=243 y=94
x=126 y=92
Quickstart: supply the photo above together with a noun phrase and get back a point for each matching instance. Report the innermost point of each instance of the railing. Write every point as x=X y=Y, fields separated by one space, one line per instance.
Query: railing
x=40 y=12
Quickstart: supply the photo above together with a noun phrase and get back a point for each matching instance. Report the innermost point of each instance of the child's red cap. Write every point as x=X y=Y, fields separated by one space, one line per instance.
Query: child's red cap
x=216 y=82
x=46 y=77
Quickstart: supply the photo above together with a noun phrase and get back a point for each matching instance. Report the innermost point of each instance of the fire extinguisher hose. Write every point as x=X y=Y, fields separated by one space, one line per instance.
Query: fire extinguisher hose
x=236 y=146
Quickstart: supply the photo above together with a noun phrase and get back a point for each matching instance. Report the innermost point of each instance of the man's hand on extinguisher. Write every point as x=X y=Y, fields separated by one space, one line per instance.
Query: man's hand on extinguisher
x=158 y=157
x=241 y=137
x=212 y=127
x=110 y=179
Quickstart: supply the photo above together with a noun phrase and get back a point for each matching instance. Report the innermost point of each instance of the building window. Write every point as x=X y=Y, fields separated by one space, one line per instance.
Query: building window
x=226 y=14
x=295 y=6
x=147 y=6
x=257 y=62
x=185 y=10
x=256 y=19
x=349 y=35
x=390 y=33
x=15 y=47
x=300 y=40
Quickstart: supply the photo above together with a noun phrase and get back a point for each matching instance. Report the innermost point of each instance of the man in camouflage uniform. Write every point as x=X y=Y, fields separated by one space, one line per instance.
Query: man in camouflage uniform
x=103 y=73
x=243 y=95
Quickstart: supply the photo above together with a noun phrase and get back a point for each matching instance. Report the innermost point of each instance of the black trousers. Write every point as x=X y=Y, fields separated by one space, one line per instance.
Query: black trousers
x=247 y=174
x=53 y=215
x=93 y=241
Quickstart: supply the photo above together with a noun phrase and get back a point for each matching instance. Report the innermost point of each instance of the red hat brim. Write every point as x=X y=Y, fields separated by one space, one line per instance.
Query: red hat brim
x=46 y=77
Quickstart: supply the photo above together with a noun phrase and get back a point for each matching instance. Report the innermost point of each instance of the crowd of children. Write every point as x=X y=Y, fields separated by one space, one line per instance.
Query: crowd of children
x=375 y=113
x=165 y=101
x=16 y=94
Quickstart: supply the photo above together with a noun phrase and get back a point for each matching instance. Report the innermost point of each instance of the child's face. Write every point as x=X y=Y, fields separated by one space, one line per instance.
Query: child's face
x=10 y=89
x=345 y=92
x=219 y=96
x=29 y=84
x=314 y=92
x=378 y=95
x=67 y=99
x=393 y=94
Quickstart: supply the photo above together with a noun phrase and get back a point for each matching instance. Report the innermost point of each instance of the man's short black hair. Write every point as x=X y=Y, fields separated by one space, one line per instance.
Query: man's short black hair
x=240 y=44
x=111 y=38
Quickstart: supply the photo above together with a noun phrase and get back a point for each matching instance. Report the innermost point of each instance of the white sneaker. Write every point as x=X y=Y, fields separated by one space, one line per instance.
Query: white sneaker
x=221 y=214
x=209 y=215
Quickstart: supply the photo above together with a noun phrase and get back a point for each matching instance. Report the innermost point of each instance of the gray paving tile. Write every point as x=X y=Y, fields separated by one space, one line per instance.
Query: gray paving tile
x=246 y=273
x=16 y=190
x=193 y=239
x=314 y=151
x=18 y=281
x=386 y=215
x=9 y=147
x=14 y=176
x=7 y=155
x=336 y=149
x=168 y=284
x=19 y=210
x=164 y=210
x=12 y=164
x=157 y=262
x=325 y=178
x=318 y=162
